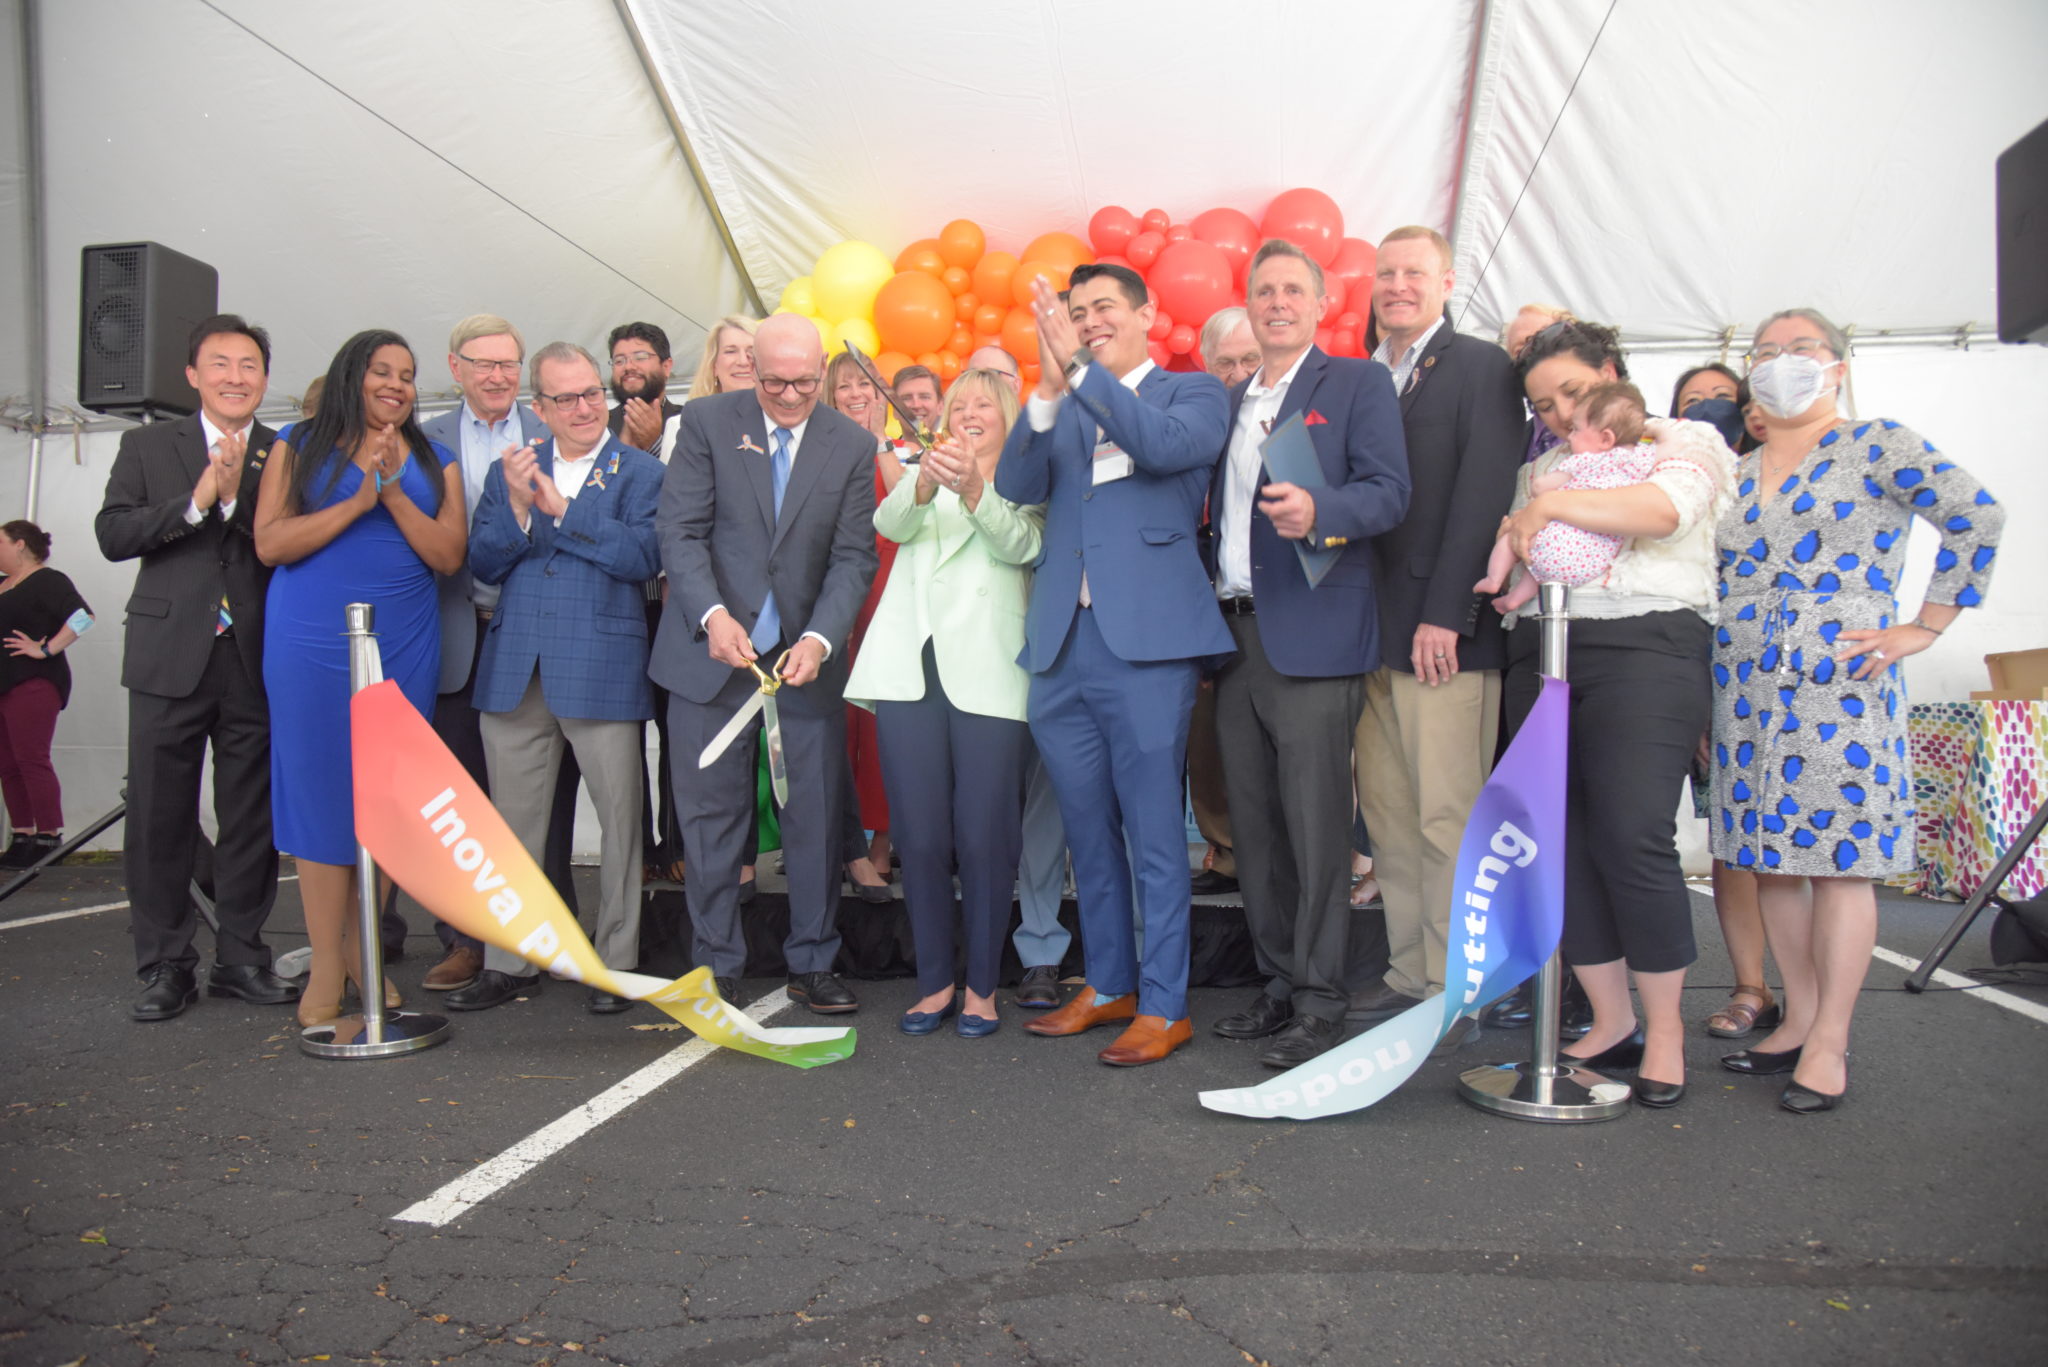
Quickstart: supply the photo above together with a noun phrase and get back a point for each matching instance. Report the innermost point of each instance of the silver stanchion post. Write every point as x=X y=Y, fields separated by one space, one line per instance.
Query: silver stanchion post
x=376 y=1033
x=1547 y=1087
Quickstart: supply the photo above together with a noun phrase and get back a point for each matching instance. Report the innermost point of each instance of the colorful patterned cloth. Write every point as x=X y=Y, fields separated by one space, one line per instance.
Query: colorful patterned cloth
x=1980 y=770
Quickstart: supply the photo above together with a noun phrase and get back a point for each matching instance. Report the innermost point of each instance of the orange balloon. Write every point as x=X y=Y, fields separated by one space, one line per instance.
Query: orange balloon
x=1027 y=274
x=949 y=366
x=913 y=312
x=1030 y=371
x=966 y=305
x=1059 y=249
x=992 y=276
x=961 y=343
x=928 y=359
x=988 y=319
x=1020 y=335
x=922 y=255
x=889 y=362
x=961 y=243
x=956 y=280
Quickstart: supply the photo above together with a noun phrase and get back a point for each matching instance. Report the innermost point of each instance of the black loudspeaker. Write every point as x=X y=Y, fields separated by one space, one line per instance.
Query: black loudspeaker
x=2023 y=239
x=138 y=304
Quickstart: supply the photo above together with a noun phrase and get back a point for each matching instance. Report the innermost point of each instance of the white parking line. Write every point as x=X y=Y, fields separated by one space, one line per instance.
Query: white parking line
x=485 y=1180
x=2031 y=1010
x=88 y=911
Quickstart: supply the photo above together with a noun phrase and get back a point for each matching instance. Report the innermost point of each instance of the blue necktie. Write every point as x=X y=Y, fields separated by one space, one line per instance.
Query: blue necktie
x=768 y=626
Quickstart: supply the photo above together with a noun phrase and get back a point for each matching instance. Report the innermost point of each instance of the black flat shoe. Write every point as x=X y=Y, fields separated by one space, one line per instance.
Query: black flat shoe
x=490 y=989
x=730 y=993
x=1757 y=1063
x=603 y=1003
x=252 y=983
x=1650 y=1092
x=166 y=991
x=1803 y=1100
x=1623 y=1054
x=822 y=992
x=1265 y=1016
x=1040 y=988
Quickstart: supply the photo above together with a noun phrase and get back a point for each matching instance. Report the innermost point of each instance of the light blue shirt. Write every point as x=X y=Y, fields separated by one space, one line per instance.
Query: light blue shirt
x=482 y=444
x=1402 y=367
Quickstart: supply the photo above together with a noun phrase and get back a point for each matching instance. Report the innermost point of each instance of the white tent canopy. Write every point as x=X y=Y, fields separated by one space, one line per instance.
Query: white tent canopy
x=1675 y=167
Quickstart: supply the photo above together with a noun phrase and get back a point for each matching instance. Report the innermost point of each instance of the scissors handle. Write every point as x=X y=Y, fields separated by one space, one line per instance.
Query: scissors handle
x=771 y=681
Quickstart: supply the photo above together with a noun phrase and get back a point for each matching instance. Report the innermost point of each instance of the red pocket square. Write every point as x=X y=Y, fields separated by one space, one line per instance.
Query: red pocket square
x=1314 y=418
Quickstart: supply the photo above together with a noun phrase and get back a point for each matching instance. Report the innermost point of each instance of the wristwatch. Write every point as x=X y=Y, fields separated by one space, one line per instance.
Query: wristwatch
x=1076 y=363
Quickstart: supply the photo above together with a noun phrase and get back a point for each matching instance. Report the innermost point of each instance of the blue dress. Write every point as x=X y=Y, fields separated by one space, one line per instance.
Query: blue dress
x=305 y=658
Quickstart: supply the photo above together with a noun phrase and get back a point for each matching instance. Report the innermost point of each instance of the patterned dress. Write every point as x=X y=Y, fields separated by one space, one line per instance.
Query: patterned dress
x=1810 y=774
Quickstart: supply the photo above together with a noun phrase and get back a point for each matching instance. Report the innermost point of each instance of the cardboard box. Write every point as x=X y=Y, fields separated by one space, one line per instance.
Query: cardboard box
x=2016 y=674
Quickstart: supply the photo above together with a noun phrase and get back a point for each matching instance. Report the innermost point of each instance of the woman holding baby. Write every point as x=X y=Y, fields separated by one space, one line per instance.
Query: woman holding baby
x=1635 y=517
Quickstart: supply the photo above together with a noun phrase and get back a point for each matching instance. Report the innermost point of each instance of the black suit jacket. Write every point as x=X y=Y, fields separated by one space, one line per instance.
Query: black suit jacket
x=173 y=611
x=1462 y=416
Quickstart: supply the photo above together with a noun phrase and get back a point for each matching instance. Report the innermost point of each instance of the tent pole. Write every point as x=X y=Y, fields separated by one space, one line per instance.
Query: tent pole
x=682 y=137
x=36 y=301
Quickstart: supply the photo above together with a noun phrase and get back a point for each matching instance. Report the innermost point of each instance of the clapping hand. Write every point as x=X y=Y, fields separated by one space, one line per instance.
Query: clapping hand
x=224 y=461
x=1058 y=338
x=642 y=425
x=388 y=455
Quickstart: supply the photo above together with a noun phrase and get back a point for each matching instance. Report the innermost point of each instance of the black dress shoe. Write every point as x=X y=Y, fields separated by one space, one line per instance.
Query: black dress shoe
x=490 y=989
x=729 y=992
x=873 y=894
x=1379 y=1002
x=1757 y=1063
x=1803 y=1100
x=1650 y=1092
x=394 y=950
x=1515 y=1011
x=822 y=992
x=253 y=983
x=1267 y=1015
x=1209 y=883
x=1626 y=1053
x=1302 y=1039
x=166 y=991
x=603 y=1003
x=1040 y=988
x=1575 y=1016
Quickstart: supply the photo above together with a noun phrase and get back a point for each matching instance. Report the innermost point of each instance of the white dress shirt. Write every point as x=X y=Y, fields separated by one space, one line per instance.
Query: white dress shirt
x=225 y=500
x=1043 y=412
x=1255 y=416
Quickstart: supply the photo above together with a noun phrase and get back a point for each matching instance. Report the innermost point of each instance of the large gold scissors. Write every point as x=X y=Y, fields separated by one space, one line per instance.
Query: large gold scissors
x=763 y=703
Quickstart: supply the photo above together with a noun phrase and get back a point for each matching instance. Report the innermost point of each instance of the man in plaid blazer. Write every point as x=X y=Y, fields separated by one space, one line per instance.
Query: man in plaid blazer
x=567 y=529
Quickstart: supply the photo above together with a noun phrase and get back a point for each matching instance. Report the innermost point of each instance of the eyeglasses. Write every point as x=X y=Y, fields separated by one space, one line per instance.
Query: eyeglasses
x=489 y=367
x=592 y=396
x=637 y=358
x=1799 y=346
x=808 y=385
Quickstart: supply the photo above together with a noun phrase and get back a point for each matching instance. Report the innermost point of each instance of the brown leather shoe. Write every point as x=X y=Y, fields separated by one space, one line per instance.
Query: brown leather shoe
x=457 y=969
x=1148 y=1040
x=1082 y=1013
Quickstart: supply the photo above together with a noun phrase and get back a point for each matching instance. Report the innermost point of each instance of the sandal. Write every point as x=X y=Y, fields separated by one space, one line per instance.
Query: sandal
x=1739 y=1017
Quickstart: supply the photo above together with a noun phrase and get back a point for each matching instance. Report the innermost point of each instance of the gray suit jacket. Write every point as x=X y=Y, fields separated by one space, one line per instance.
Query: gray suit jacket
x=458 y=616
x=721 y=542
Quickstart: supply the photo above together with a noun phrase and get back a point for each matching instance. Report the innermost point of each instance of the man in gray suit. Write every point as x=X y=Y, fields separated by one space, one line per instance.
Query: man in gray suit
x=484 y=355
x=768 y=541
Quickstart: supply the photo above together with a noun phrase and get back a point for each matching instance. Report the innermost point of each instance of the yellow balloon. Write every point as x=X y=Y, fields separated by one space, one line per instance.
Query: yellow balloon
x=798 y=297
x=846 y=280
x=858 y=331
x=825 y=342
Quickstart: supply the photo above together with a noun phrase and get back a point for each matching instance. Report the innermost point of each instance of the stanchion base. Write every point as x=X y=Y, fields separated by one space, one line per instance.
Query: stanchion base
x=404 y=1032
x=1573 y=1096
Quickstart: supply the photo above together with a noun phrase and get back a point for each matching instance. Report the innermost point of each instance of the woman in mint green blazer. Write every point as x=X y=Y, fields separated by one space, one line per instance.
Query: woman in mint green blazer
x=939 y=669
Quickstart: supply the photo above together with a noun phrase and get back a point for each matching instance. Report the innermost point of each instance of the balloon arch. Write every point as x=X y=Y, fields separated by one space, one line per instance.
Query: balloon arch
x=942 y=297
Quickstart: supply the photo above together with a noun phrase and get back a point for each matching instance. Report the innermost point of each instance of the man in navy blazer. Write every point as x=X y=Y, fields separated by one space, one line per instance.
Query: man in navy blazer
x=1287 y=704
x=1121 y=618
x=565 y=531
x=485 y=357
x=767 y=526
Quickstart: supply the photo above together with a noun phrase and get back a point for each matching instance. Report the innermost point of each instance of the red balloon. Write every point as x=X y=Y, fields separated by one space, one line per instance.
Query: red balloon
x=1112 y=259
x=1351 y=320
x=1112 y=229
x=1191 y=280
x=1178 y=232
x=1354 y=265
x=1162 y=323
x=1144 y=250
x=1181 y=340
x=1336 y=290
x=1309 y=219
x=1155 y=220
x=1161 y=357
x=1325 y=338
x=913 y=312
x=1345 y=342
x=1232 y=230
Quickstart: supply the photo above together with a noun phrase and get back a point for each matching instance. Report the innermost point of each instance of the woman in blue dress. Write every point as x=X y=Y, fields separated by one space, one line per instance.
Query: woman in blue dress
x=356 y=506
x=1809 y=740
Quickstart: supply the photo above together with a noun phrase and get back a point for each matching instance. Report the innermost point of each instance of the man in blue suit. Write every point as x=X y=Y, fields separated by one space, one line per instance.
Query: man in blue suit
x=1287 y=705
x=566 y=530
x=1121 y=619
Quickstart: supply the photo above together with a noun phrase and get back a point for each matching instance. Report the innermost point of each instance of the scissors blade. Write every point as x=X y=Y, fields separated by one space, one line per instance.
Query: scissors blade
x=913 y=430
x=730 y=732
x=778 y=764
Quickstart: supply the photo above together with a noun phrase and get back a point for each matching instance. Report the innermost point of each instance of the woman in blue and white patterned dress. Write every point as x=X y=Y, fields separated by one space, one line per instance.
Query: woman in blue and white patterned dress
x=1810 y=772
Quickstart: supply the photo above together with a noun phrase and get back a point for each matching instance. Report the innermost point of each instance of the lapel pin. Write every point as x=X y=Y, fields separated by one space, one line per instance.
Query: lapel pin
x=747 y=444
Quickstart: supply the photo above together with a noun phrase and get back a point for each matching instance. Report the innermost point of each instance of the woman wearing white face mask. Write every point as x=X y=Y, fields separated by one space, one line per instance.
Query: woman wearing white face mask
x=1810 y=774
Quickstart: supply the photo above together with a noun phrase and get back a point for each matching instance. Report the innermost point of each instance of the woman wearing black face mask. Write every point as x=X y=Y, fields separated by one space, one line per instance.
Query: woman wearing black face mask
x=1714 y=394
x=1811 y=788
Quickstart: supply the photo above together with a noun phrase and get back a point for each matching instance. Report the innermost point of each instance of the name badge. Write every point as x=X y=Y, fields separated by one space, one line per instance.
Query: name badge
x=1111 y=463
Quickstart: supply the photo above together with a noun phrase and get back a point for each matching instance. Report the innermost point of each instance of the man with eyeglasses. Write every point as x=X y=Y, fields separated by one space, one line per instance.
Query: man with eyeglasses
x=565 y=529
x=485 y=355
x=641 y=366
x=767 y=537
